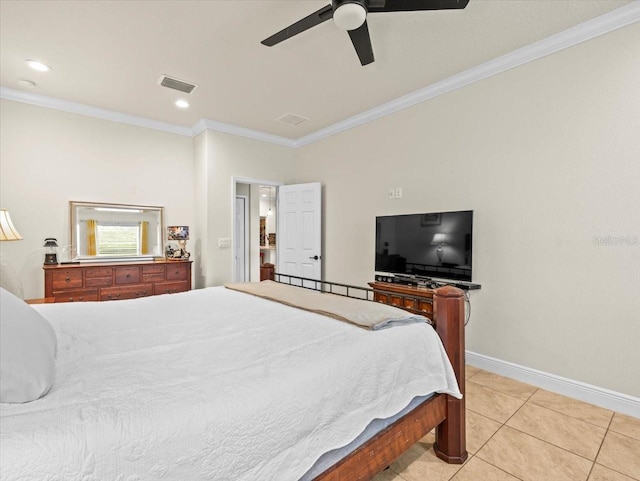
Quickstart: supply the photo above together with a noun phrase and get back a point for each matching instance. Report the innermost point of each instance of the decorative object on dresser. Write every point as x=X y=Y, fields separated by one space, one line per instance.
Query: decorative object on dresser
x=181 y=235
x=51 y=251
x=106 y=281
x=9 y=279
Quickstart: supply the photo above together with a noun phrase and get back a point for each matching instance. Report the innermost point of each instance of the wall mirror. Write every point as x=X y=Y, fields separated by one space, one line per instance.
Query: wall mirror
x=116 y=231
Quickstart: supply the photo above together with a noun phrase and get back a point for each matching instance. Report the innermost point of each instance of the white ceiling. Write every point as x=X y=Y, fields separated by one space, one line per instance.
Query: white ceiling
x=110 y=54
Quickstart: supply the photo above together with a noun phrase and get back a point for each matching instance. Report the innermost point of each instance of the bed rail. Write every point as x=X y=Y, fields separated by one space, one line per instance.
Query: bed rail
x=345 y=290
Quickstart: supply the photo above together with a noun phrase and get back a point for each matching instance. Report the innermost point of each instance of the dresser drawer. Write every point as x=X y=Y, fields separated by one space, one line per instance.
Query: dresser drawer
x=98 y=272
x=419 y=306
x=170 y=287
x=153 y=273
x=127 y=292
x=177 y=272
x=98 y=281
x=128 y=275
x=77 y=295
x=67 y=279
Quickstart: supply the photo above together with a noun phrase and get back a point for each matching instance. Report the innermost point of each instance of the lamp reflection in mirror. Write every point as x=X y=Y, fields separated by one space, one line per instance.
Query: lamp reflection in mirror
x=9 y=279
x=439 y=240
x=178 y=233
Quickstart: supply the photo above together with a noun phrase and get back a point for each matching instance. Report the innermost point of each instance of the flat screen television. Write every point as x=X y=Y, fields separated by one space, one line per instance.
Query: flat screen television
x=431 y=245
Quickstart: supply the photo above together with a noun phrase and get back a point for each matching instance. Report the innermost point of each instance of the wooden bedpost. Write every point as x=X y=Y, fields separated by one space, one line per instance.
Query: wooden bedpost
x=450 y=444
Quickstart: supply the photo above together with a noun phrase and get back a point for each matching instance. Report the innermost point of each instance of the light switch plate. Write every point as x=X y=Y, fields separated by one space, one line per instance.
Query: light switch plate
x=224 y=242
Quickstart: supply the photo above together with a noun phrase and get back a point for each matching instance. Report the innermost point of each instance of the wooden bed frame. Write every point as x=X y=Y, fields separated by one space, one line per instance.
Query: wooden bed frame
x=443 y=412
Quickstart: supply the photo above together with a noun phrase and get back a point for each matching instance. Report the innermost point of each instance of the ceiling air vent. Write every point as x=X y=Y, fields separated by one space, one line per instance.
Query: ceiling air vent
x=175 y=84
x=291 y=119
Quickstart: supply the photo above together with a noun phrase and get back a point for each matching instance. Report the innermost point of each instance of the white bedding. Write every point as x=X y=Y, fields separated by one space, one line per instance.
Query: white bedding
x=210 y=384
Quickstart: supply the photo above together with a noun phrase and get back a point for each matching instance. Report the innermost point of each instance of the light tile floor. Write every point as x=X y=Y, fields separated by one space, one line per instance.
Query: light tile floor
x=519 y=432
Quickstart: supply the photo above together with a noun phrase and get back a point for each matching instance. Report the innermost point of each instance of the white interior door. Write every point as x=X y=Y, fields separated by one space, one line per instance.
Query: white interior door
x=241 y=244
x=299 y=233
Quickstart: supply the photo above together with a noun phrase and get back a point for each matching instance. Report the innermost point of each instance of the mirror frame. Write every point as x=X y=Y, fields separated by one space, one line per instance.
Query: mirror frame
x=75 y=206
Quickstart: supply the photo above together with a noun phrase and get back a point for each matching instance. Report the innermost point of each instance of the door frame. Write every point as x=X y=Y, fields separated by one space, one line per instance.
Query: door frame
x=246 y=251
x=245 y=180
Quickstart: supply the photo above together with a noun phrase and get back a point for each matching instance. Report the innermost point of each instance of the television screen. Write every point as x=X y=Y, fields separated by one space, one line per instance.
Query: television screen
x=433 y=245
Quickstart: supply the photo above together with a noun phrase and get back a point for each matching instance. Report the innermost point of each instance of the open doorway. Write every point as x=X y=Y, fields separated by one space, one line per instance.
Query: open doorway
x=255 y=231
x=289 y=238
x=268 y=231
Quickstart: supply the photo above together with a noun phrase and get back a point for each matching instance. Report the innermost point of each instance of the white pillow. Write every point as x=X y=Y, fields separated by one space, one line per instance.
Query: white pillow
x=27 y=351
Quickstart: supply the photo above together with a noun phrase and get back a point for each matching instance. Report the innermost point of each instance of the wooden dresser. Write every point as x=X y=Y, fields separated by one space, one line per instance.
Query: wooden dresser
x=418 y=300
x=107 y=281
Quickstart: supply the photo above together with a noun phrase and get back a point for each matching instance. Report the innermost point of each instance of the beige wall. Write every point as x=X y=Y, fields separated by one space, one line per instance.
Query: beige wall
x=49 y=157
x=228 y=157
x=548 y=157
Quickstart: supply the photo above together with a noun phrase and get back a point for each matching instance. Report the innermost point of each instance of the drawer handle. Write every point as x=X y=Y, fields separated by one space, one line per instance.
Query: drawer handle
x=67 y=279
x=177 y=272
x=128 y=276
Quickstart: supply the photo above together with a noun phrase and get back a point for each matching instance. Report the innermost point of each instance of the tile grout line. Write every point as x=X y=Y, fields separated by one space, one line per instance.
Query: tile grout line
x=602 y=443
x=504 y=393
x=498 y=430
x=574 y=417
x=547 y=407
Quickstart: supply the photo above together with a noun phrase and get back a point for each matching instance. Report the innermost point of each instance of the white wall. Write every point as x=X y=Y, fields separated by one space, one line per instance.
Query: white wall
x=228 y=157
x=548 y=157
x=49 y=157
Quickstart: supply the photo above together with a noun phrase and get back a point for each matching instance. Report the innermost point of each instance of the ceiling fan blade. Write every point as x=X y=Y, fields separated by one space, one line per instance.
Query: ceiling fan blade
x=362 y=43
x=316 y=18
x=413 y=5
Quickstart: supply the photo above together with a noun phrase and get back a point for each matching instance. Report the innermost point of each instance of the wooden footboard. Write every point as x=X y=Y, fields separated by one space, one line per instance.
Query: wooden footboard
x=441 y=411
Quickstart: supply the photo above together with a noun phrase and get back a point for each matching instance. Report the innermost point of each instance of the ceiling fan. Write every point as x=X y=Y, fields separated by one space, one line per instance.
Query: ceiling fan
x=351 y=15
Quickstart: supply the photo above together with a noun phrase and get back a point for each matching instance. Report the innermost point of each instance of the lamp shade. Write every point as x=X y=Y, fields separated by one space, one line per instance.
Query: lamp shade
x=7 y=231
x=178 y=232
x=439 y=240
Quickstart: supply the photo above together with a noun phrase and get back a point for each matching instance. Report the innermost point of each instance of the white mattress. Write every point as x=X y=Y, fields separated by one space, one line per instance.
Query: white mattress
x=210 y=384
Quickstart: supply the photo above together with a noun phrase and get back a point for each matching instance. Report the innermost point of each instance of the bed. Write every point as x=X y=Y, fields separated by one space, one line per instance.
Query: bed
x=220 y=384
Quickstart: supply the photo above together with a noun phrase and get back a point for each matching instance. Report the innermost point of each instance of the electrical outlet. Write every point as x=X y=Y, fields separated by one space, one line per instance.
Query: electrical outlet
x=224 y=242
x=392 y=193
x=398 y=192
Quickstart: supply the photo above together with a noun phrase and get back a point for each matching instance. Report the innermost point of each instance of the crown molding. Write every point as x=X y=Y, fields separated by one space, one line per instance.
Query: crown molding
x=205 y=124
x=619 y=18
x=90 y=111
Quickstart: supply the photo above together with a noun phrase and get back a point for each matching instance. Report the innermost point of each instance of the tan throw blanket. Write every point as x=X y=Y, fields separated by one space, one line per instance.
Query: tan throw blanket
x=366 y=314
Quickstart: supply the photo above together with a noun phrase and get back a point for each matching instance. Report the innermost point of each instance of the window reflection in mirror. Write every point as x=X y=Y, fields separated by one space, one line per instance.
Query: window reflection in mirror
x=116 y=231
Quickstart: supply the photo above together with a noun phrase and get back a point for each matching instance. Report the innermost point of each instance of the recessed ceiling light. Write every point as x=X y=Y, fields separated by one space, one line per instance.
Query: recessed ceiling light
x=39 y=66
x=27 y=84
x=182 y=104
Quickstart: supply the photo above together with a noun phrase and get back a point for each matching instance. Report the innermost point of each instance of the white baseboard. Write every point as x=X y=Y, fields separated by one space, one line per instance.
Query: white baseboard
x=615 y=401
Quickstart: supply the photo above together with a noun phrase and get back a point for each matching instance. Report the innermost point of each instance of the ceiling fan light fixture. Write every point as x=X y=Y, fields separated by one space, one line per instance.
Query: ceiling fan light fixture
x=350 y=15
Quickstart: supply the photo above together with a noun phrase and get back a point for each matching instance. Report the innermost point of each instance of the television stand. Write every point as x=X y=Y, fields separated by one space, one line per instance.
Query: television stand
x=418 y=300
x=427 y=282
